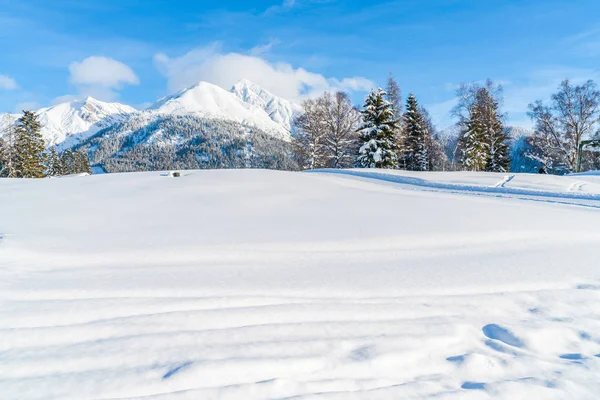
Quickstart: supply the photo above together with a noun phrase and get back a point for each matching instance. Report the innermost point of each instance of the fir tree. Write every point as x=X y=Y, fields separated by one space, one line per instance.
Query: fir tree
x=54 y=165
x=68 y=163
x=378 y=142
x=475 y=147
x=498 y=148
x=7 y=149
x=417 y=137
x=29 y=145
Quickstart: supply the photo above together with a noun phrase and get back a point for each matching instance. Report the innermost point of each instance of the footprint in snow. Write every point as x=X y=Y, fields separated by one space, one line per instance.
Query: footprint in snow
x=573 y=357
x=473 y=386
x=177 y=369
x=496 y=332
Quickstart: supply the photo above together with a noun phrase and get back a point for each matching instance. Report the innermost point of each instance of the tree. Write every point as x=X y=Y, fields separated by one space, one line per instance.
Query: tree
x=54 y=165
x=30 y=146
x=560 y=127
x=417 y=137
x=340 y=139
x=82 y=163
x=475 y=147
x=483 y=142
x=437 y=158
x=67 y=162
x=310 y=130
x=379 y=148
x=8 y=157
x=498 y=147
x=394 y=96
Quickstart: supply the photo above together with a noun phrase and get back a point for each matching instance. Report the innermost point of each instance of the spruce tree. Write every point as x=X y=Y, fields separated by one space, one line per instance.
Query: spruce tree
x=475 y=147
x=378 y=142
x=29 y=145
x=498 y=148
x=54 y=165
x=82 y=163
x=417 y=137
x=67 y=161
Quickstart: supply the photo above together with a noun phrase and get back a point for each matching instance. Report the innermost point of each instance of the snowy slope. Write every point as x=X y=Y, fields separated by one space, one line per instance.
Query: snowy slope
x=211 y=101
x=250 y=284
x=69 y=123
x=279 y=110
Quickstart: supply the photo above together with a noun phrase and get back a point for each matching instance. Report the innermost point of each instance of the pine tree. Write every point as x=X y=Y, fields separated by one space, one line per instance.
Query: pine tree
x=417 y=137
x=378 y=142
x=473 y=141
x=67 y=162
x=54 y=165
x=498 y=148
x=82 y=163
x=29 y=145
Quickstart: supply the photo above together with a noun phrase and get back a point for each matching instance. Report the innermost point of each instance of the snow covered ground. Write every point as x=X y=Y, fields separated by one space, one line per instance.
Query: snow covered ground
x=270 y=285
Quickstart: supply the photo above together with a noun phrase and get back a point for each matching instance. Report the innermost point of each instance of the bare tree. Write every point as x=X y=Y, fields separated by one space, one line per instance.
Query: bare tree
x=326 y=132
x=310 y=131
x=572 y=115
x=341 y=138
x=7 y=147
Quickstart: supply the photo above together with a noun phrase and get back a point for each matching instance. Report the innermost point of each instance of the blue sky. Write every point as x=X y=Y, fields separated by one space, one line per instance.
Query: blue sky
x=135 y=51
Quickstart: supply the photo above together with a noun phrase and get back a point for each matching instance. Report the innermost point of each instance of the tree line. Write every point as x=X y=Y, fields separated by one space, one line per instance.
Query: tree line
x=331 y=133
x=23 y=152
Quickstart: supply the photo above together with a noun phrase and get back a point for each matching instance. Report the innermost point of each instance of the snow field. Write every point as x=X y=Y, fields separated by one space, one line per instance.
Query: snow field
x=272 y=285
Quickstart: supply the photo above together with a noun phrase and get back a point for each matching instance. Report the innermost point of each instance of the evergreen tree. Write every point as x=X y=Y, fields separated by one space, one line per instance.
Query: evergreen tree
x=417 y=137
x=7 y=149
x=29 y=145
x=475 y=147
x=498 y=148
x=82 y=163
x=68 y=162
x=54 y=165
x=378 y=142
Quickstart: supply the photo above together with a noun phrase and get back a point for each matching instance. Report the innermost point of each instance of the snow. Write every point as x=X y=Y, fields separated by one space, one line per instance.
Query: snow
x=211 y=101
x=264 y=284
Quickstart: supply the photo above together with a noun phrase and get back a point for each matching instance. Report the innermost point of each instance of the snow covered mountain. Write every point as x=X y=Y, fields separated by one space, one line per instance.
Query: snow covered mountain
x=210 y=101
x=67 y=124
x=279 y=110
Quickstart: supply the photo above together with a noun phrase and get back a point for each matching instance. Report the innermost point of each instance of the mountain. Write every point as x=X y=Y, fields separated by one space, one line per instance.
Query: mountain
x=210 y=101
x=279 y=110
x=67 y=124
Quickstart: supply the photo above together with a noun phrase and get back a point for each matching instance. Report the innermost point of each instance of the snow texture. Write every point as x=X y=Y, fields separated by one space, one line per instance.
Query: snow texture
x=253 y=284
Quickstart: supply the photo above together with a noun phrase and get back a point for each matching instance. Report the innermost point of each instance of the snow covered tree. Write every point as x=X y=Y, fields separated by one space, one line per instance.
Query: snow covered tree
x=417 y=137
x=340 y=139
x=8 y=155
x=53 y=165
x=394 y=96
x=498 y=141
x=310 y=130
x=483 y=143
x=326 y=132
x=475 y=147
x=30 y=146
x=572 y=115
x=437 y=158
x=378 y=128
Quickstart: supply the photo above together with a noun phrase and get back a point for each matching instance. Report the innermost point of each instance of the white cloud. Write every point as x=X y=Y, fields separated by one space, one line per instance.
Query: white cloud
x=64 y=99
x=26 y=106
x=282 y=79
x=7 y=83
x=101 y=76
